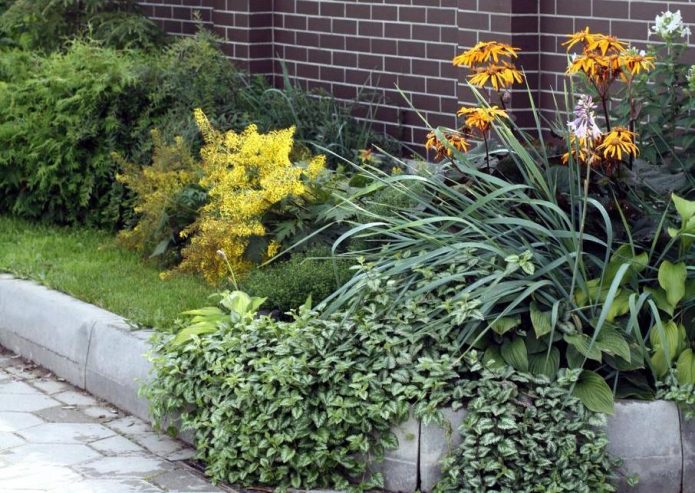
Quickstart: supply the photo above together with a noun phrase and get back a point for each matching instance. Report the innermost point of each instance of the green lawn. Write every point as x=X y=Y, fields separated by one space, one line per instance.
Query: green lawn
x=91 y=266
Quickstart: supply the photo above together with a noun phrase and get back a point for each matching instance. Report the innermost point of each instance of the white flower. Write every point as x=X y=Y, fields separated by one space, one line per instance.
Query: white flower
x=584 y=124
x=669 y=25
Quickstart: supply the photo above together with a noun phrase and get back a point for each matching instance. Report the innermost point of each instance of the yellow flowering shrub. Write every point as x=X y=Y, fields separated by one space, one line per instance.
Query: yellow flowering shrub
x=173 y=168
x=247 y=175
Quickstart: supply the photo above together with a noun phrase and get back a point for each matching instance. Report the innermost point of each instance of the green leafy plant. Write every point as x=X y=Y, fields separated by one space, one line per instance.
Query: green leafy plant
x=288 y=284
x=526 y=434
x=664 y=100
x=48 y=24
x=60 y=125
x=309 y=402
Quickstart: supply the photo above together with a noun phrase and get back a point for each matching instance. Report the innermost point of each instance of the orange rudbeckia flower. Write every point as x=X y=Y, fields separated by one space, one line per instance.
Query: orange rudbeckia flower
x=481 y=118
x=484 y=52
x=617 y=142
x=499 y=76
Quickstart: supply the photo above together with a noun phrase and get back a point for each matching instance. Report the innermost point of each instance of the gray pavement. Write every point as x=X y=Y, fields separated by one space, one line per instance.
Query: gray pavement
x=55 y=437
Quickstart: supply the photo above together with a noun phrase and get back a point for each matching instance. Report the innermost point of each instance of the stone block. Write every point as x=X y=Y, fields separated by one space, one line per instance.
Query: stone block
x=117 y=365
x=647 y=436
x=400 y=466
x=47 y=327
x=688 y=442
x=435 y=443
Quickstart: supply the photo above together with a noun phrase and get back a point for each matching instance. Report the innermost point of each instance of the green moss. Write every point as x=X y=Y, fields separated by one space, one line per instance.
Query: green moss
x=89 y=265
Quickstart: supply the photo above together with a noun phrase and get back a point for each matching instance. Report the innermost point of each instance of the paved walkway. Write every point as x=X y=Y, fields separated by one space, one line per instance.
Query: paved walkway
x=54 y=437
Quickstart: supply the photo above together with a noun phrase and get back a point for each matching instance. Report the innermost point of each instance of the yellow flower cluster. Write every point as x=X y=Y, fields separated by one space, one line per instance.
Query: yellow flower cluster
x=246 y=174
x=605 y=58
x=173 y=168
x=485 y=60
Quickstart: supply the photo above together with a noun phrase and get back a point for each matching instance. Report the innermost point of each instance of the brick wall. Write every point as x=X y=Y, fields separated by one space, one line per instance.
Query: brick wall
x=366 y=48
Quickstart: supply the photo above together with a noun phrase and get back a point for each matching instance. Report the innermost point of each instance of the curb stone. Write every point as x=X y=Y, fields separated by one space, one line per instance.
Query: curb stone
x=688 y=440
x=647 y=436
x=435 y=443
x=97 y=351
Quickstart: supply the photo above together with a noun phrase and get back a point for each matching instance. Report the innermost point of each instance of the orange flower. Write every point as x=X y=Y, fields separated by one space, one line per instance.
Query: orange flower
x=618 y=141
x=483 y=52
x=603 y=43
x=481 y=118
x=583 y=151
x=585 y=37
x=455 y=140
x=635 y=62
x=500 y=76
x=592 y=64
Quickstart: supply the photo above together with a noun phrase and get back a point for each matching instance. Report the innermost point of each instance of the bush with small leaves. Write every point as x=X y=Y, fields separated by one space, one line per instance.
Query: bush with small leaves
x=287 y=284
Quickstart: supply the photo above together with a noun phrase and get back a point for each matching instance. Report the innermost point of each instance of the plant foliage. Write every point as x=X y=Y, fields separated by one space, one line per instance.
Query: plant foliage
x=516 y=437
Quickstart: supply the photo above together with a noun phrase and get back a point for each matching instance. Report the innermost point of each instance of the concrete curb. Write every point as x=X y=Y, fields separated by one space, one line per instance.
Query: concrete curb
x=89 y=347
x=97 y=351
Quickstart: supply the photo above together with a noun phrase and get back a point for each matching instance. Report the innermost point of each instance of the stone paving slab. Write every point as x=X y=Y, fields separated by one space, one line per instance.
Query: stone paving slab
x=57 y=438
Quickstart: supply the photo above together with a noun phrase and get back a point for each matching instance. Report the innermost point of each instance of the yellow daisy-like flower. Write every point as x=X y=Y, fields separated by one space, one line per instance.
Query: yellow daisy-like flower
x=585 y=37
x=604 y=44
x=455 y=139
x=592 y=64
x=635 y=63
x=484 y=52
x=617 y=142
x=583 y=151
x=500 y=76
x=481 y=118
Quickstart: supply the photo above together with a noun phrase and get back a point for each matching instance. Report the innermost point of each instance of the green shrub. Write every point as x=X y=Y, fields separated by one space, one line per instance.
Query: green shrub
x=48 y=24
x=524 y=434
x=59 y=127
x=287 y=284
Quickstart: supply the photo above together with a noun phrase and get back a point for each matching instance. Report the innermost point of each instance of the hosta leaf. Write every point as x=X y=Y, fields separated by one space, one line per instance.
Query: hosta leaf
x=685 y=367
x=666 y=338
x=685 y=208
x=624 y=255
x=659 y=297
x=505 y=324
x=195 y=329
x=544 y=364
x=582 y=343
x=620 y=305
x=514 y=353
x=672 y=280
x=492 y=358
x=594 y=392
x=611 y=341
x=541 y=321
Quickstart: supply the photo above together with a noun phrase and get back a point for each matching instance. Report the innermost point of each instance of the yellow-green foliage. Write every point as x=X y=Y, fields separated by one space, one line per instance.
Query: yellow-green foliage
x=247 y=175
x=156 y=187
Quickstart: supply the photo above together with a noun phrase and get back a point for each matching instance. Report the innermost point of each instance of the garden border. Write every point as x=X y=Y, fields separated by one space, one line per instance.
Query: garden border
x=100 y=352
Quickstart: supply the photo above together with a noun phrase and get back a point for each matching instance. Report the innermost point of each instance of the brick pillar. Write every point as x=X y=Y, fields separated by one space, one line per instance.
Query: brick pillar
x=246 y=26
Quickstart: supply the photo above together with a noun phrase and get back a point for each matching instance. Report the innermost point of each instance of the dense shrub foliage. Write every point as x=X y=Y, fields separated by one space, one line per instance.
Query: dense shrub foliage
x=287 y=284
x=60 y=125
x=47 y=24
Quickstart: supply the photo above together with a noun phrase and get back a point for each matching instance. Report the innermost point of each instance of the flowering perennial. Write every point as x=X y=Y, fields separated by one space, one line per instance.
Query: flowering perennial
x=485 y=60
x=584 y=124
x=669 y=26
x=246 y=174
